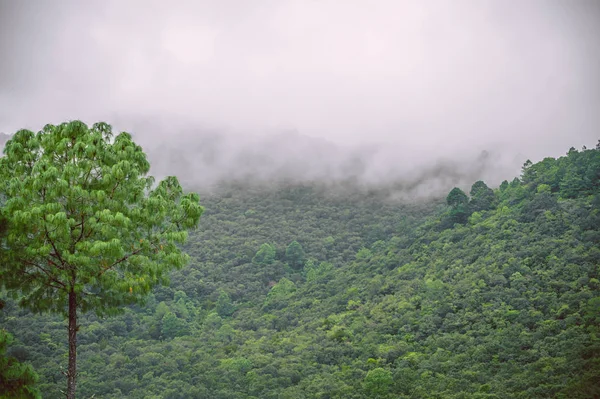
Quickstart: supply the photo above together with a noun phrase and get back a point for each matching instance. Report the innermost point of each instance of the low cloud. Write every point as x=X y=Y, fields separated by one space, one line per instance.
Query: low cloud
x=377 y=92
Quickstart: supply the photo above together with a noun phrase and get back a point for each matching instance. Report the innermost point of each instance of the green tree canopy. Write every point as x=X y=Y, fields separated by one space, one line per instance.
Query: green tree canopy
x=294 y=255
x=265 y=255
x=482 y=197
x=87 y=229
x=378 y=382
x=280 y=292
x=458 y=200
x=173 y=326
x=224 y=305
x=457 y=197
x=17 y=380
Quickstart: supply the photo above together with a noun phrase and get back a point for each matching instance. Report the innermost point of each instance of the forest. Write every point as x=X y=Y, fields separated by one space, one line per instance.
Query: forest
x=303 y=290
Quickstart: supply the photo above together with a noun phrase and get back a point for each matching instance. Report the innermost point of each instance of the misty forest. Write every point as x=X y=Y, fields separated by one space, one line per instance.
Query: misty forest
x=313 y=291
x=294 y=199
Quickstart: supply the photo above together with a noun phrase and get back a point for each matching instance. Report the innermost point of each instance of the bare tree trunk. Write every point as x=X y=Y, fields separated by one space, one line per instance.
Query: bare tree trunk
x=72 y=370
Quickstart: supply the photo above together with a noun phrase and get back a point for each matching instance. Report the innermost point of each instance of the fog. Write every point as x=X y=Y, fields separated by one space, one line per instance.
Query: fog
x=422 y=94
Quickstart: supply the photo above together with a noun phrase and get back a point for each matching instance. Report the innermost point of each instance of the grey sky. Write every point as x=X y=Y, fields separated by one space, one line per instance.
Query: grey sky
x=423 y=79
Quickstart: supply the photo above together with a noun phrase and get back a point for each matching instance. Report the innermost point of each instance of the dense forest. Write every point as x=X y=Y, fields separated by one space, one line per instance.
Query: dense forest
x=307 y=291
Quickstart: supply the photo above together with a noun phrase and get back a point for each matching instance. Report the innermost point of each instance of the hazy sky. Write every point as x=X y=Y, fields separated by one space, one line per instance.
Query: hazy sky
x=426 y=77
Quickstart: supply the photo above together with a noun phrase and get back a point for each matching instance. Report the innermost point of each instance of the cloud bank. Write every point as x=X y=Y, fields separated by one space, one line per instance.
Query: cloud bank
x=405 y=84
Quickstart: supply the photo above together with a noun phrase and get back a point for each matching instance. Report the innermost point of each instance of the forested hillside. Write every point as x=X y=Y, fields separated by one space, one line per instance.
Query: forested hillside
x=306 y=291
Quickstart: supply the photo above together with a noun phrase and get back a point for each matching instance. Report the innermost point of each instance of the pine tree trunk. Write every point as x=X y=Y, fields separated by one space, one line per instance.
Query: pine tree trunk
x=72 y=371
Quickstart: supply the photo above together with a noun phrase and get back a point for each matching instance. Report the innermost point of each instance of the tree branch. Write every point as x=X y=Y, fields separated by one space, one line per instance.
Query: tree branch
x=112 y=193
x=54 y=263
x=33 y=276
x=123 y=259
x=62 y=262
x=46 y=272
x=82 y=230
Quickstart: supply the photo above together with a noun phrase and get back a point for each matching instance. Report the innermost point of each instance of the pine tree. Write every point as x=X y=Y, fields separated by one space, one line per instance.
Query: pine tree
x=86 y=228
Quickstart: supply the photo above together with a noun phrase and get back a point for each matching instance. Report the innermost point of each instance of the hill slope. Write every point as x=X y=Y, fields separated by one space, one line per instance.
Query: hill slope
x=492 y=296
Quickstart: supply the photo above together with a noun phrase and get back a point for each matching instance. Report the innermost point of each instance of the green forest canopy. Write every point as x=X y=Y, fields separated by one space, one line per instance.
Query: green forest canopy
x=489 y=295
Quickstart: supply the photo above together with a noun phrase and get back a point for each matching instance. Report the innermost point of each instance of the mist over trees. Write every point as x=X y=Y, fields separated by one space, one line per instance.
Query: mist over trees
x=294 y=292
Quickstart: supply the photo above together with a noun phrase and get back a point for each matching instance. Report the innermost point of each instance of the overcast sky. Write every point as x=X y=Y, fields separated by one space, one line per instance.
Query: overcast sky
x=426 y=77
